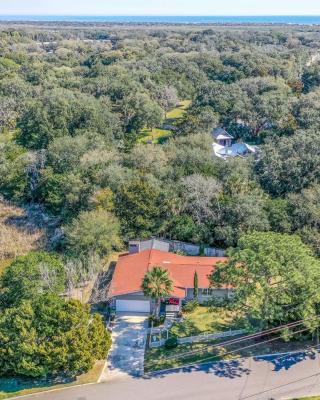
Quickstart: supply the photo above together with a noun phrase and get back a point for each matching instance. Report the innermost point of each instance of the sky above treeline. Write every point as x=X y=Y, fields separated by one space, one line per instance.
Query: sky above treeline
x=160 y=7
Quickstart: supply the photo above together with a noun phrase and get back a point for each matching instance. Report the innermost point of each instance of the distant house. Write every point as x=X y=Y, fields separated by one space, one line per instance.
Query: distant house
x=222 y=137
x=125 y=292
x=224 y=148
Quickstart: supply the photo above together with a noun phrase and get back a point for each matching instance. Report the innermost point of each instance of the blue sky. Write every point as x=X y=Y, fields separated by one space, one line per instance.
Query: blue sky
x=160 y=7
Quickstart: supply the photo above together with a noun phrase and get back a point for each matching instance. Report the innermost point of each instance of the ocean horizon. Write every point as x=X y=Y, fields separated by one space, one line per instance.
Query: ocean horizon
x=237 y=19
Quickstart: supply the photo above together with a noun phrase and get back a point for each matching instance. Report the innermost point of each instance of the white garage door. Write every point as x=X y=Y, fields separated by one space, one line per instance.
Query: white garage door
x=142 y=306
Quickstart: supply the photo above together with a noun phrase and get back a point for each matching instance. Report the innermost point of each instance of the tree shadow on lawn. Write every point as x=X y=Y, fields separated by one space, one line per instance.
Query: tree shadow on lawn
x=223 y=369
x=185 y=328
x=189 y=327
x=288 y=360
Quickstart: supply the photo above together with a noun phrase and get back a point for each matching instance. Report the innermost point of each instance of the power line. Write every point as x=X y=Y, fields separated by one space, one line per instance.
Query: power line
x=237 y=350
x=242 y=339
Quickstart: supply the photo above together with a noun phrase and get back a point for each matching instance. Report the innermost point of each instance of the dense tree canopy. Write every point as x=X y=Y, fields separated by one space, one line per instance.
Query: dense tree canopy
x=276 y=278
x=93 y=232
x=77 y=104
x=142 y=209
x=107 y=131
x=30 y=275
x=290 y=164
x=47 y=335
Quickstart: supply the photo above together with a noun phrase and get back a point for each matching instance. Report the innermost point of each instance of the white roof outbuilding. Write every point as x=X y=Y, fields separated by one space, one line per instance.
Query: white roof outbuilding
x=237 y=149
x=221 y=134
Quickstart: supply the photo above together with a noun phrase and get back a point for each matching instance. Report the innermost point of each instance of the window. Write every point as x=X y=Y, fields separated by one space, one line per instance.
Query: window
x=207 y=292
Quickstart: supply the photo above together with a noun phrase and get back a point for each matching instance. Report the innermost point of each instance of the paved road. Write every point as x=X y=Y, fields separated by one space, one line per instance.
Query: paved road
x=126 y=356
x=248 y=379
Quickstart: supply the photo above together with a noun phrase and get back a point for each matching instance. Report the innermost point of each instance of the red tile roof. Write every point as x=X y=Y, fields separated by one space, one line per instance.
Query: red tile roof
x=130 y=270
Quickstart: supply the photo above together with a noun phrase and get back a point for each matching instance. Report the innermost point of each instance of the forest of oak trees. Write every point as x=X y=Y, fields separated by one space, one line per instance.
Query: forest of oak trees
x=74 y=105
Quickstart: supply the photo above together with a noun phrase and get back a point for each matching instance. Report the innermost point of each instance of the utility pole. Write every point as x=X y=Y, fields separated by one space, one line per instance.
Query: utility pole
x=317 y=345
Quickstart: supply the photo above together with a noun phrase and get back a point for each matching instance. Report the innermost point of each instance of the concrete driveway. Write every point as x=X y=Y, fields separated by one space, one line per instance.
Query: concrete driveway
x=126 y=356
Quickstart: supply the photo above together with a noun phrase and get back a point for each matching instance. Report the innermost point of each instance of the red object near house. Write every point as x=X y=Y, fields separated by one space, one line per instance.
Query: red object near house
x=173 y=302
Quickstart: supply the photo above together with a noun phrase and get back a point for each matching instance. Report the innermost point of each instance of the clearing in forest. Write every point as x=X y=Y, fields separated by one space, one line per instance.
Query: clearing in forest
x=156 y=135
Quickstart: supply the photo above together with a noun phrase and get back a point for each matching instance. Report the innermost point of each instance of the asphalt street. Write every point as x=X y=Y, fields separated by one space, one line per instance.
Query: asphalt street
x=266 y=378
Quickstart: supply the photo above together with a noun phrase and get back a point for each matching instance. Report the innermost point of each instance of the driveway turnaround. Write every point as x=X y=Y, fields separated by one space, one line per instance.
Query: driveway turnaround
x=126 y=356
x=264 y=378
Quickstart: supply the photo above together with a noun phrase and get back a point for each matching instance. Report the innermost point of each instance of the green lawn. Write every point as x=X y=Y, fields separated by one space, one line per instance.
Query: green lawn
x=18 y=387
x=205 y=320
x=220 y=319
x=162 y=358
x=179 y=111
x=201 y=320
x=155 y=135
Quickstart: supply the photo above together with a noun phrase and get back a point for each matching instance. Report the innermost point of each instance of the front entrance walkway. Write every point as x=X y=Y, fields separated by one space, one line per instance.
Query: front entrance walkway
x=126 y=356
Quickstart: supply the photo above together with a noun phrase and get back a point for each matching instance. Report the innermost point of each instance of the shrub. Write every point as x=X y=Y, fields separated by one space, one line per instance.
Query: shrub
x=180 y=252
x=190 y=306
x=171 y=343
x=49 y=336
x=215 y=302
x=93 y=232
x=157 y=321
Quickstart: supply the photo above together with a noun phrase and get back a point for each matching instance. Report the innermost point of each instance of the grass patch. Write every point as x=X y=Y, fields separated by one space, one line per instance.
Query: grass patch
x=179 y=111
x=153 y=135
x=4 y=264
x=23 y=230
x=162 y=358
x=201 y=320
x=220 y=319
x=206 y=320
x=308 y=398
x=18 y=387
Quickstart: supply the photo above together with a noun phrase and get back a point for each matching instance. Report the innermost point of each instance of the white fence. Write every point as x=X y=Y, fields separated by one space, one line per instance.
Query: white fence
x=158 y=338
x=210 y=336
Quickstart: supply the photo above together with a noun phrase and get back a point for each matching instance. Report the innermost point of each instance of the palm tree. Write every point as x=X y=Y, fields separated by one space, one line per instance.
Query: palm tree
x=157 y=284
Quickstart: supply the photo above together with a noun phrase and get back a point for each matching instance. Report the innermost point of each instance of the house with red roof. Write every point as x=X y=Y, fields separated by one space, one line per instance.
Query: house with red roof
x=125 y=288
